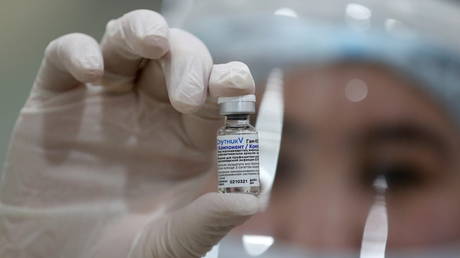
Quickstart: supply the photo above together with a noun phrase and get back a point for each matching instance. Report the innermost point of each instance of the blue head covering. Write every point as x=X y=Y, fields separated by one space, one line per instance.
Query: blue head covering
x=264 y=42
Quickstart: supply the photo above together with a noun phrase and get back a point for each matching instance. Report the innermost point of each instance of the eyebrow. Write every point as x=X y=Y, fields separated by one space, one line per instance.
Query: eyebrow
x=406 y=132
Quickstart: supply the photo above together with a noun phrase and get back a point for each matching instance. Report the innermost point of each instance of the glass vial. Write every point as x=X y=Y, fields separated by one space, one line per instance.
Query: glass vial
x=238 y=147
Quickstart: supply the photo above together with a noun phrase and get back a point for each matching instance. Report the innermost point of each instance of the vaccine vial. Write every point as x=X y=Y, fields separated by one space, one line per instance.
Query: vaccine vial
x=238 y=147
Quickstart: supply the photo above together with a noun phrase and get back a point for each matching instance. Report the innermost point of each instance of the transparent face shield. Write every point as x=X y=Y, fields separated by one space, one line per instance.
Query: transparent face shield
x=358 y=120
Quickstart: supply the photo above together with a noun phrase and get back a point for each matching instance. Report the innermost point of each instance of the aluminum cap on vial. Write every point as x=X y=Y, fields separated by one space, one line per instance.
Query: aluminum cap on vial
x=245 y=104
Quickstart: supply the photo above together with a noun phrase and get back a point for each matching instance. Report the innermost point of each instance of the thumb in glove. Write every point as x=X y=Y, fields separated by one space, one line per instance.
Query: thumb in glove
x=193 y=230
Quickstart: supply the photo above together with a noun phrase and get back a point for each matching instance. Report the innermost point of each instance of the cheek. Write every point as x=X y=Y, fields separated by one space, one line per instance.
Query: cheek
x=427 y=218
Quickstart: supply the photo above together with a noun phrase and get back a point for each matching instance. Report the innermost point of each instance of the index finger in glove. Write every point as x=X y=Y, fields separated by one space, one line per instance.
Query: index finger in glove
x=230 y=79
x=195 y=229
x=189 y=71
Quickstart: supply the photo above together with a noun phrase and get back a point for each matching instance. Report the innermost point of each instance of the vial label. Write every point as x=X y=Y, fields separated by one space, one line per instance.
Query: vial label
x=238 y=160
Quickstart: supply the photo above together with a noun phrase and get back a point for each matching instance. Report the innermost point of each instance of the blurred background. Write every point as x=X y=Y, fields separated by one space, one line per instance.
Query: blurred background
x=26 y=27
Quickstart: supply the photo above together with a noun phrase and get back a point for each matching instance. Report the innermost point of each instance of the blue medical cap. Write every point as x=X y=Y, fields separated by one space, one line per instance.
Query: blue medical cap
x=265 y=42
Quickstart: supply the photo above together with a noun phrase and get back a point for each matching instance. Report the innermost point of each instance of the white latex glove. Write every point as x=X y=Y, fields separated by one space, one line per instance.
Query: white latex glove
x=116 y=168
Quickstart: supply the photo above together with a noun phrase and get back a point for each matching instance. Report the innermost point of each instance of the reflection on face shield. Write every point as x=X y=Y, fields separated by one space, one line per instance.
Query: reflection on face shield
x=335 y=149
x=358 y=107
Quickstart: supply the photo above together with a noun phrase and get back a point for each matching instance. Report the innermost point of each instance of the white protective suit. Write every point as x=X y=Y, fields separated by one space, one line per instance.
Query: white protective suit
x=109 y=160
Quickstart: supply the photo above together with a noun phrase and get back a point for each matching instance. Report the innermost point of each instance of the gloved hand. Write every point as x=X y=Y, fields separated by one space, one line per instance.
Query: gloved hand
x=116 y=144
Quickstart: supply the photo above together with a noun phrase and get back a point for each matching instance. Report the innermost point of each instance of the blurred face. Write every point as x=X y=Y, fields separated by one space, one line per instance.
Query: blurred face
x=346 y=125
